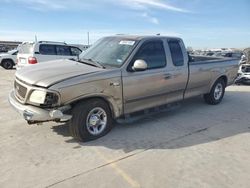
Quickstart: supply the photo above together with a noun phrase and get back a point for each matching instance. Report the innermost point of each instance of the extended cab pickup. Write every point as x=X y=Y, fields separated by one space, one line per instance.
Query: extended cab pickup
x=117 y=76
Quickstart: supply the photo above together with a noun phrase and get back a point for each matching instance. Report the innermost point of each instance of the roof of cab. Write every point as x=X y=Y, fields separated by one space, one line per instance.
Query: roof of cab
x=143 y=37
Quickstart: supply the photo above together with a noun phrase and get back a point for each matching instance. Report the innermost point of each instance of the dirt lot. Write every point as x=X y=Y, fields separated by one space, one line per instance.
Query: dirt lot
x=195 y=145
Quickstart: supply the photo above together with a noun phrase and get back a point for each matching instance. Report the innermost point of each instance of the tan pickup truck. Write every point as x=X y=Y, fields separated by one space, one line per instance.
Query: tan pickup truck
x=118 y=75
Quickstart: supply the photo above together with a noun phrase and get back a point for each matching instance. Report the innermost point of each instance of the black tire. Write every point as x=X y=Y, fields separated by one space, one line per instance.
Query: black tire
x=80 y=113
x=7 y=64
x=245 y=83
x=212 y=98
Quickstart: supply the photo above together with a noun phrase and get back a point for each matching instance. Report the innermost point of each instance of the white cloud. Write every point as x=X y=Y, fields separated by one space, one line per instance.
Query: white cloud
x=150 y=18
x=58 y=5
x=145 y=7
x=77 y=36
x=80 y=4
x=147 y=4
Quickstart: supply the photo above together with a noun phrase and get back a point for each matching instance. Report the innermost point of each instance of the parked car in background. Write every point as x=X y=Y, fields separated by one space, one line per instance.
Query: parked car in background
x=3 y=48
x=209 y=53
x=244 y=68
x=8 y=60
x=243 y=74
x=117 y=76
x=81 y=46
x=37 y=52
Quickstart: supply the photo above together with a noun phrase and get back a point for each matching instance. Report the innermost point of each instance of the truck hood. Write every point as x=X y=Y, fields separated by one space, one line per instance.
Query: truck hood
x=48 y=73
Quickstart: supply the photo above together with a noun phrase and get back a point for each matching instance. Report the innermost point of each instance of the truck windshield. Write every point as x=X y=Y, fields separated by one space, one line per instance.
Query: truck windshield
x=109 y=51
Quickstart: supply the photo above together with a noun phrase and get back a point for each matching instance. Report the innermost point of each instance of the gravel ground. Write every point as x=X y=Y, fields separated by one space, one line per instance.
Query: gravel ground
x=194 y=145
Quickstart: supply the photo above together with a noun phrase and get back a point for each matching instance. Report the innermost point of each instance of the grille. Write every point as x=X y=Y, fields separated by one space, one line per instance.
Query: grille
x=245 y=69
x=248 y=69
x=20 y=90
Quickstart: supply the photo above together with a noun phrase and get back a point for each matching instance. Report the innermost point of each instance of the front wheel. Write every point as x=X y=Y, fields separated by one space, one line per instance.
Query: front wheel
x=7 y=64
x=217 y=93
x=90 y=120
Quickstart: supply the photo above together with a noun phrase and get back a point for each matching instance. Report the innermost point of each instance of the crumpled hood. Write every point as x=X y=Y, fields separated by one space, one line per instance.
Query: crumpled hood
x=48 y=73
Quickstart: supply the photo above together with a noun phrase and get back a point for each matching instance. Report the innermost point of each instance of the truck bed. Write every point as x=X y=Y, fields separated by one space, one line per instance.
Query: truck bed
x=208 y=59
x=204 y=70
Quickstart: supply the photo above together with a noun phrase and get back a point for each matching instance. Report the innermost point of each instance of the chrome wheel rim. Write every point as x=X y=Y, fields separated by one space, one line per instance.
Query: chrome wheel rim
x=96 y=121
x=218 y=91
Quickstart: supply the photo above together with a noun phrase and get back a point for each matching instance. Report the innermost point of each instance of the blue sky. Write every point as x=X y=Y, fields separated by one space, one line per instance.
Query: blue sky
x=201 y=23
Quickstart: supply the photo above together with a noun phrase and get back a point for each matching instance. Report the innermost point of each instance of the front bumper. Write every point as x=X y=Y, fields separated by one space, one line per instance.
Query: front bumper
x=244 y=77
x=36 y=114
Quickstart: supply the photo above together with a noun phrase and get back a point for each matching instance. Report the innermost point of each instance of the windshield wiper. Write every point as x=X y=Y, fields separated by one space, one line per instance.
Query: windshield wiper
x=88 y=62
x=92 y=62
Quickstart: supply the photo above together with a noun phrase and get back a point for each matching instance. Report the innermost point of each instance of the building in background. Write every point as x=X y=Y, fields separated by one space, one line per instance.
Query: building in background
x=8 y=45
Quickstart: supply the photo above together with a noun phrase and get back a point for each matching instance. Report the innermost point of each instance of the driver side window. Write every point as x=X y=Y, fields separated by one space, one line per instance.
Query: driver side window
x=153 y=54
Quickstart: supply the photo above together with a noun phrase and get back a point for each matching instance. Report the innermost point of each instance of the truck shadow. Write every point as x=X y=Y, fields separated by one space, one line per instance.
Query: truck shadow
x=193 y=123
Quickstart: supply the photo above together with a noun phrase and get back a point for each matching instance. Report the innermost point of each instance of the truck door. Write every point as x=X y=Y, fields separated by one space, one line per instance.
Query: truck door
x=177 y=69
x=145 y=89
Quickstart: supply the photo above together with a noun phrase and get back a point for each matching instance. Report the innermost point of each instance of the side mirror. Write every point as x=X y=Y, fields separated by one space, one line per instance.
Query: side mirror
x=139 y=65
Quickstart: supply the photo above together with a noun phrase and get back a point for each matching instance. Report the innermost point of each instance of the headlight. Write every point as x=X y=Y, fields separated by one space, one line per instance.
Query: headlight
x=38 y=96
x=46 y=99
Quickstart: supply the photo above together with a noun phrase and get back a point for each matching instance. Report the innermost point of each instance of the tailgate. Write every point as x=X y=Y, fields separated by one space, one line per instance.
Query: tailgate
x=26 y=50
x=22 y=59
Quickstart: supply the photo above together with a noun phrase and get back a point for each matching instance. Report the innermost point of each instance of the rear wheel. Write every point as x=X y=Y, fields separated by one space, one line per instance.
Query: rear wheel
x=217 y=93
x=90 y=120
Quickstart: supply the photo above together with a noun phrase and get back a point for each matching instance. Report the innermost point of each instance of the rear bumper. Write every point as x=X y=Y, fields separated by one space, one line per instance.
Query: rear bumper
x=18 y=66
x=36 y=114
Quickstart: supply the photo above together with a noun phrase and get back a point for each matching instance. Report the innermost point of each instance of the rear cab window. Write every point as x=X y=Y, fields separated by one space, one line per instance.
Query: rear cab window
x=176 y=52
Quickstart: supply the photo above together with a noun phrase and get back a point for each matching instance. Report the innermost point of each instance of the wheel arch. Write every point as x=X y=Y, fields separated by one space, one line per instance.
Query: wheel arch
x=223 y=77
x=8 y=59
x=114 y=108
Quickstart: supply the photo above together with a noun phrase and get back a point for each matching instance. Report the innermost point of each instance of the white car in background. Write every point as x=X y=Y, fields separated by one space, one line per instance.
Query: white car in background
x=8 y=60
x=37 y=52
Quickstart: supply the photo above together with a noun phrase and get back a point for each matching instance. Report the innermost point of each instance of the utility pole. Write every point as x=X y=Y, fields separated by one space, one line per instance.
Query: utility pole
x=88 y=38
x=35 y=38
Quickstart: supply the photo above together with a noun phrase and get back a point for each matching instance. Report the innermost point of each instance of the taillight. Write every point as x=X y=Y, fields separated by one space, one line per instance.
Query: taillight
x=32 y=60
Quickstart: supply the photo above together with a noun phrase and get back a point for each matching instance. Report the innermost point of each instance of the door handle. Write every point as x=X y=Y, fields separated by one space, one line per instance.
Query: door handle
x=167 y=76
x=115 y=84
